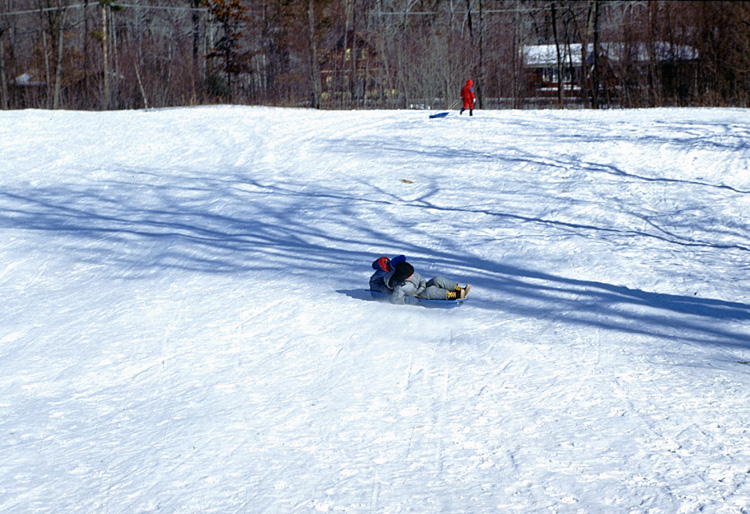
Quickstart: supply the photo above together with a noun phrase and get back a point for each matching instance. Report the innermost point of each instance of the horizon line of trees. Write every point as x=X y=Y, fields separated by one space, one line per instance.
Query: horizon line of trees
x=360 y=54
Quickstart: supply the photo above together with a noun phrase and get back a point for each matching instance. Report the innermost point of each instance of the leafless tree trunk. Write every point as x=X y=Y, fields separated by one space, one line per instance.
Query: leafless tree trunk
x=4 y=100
x=86 y=56
x=518 y=63
x=45 y=55
x=480 y=86
x=593 y=29
x=105 y=54
x=354 y=80
x=140 y=84
x=61 y=17
x=560 y=83
x=197 y=68
x=314 y=63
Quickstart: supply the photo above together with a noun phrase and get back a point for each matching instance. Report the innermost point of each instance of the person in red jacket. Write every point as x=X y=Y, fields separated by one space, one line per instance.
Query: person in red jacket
x=467 y=95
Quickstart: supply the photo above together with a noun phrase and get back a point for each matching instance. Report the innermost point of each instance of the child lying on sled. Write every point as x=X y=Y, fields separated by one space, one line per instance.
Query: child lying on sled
x=398 y=278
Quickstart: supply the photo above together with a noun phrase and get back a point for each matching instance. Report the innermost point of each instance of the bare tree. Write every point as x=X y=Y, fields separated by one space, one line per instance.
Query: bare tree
x=104 y=5
x=365 y=53
x=315 y=85
x=62 y=13
x=4 y=100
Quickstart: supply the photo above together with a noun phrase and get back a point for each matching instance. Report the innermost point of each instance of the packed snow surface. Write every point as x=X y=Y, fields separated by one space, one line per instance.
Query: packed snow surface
x=185 y=326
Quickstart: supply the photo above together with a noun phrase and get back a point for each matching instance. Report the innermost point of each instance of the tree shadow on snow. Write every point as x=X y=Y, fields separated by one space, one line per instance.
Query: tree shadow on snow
x=195 y=222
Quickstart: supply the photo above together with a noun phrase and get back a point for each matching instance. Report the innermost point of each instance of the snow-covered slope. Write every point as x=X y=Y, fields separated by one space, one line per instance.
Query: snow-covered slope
x=184 y=326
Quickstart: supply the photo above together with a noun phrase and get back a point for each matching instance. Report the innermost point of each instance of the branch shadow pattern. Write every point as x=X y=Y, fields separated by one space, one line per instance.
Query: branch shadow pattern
x=234 y=225
x=426 y=153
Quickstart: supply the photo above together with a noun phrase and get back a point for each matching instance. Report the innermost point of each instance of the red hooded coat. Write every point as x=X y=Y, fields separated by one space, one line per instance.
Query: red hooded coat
x=467 y=95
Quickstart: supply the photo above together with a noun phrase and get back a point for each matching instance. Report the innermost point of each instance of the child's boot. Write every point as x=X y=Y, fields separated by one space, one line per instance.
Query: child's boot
x=451 y=295
x=462 y=291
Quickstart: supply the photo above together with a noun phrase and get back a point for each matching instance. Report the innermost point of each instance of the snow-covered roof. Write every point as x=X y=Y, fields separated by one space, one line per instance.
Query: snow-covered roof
x=27 y=79
x=542 y=56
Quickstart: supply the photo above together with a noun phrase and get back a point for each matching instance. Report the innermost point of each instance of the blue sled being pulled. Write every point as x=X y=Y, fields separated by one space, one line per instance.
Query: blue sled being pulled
x=414 y=300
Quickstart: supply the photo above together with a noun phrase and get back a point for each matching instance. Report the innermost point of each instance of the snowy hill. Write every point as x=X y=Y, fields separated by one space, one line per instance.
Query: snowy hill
x=185 y=326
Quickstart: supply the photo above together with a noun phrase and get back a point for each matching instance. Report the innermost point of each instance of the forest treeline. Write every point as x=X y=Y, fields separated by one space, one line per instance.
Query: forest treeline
x=362 y=54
